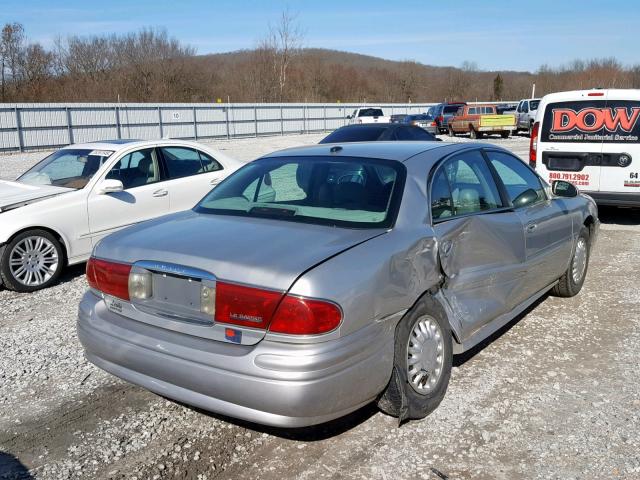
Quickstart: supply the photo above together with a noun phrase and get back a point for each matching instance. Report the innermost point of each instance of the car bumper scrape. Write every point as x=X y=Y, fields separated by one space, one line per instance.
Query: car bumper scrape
x=273 y=383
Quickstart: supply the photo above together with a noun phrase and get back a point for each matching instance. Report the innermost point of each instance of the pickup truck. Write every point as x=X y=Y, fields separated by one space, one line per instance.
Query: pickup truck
x=479 y=120
x=367 y=115
x=526 y=113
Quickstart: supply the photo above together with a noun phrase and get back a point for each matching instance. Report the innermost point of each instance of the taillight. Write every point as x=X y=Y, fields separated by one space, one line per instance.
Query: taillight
x=414 y=123
x=109 y=277
x=245 y=306
x=433 y=124
x=303 y=316
x=266 y=309
x=533 y=144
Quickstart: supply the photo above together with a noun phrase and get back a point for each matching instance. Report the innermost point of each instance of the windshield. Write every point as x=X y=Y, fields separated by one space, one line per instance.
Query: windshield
x=341 y=192
x=370 y=112
x=68 y=168
x=533 y=104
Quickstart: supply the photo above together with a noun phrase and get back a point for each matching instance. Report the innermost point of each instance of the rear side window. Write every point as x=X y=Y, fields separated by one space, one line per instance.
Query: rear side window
x=370 y=112
x=451 y=108
x=593 y=121
x=472 y=188
x=522 y=185
x=181 y=162
x=533 y=104
x=413 y=133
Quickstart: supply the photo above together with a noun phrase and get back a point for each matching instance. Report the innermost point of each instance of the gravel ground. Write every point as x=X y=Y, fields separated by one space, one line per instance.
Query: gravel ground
x=556 y=394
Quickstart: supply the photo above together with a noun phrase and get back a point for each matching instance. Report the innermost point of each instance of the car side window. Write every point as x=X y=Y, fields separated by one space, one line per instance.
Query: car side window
x=471 y=184
x=523 y=186
x=136 y=169
x=441 y=203
x=209 y=164
x=525 y=107
x=181 y=162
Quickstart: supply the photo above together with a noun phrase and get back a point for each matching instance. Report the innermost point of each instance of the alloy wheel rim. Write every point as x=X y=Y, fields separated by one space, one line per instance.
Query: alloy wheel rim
x=579 y=263
x=425 y=355
x=33 y=261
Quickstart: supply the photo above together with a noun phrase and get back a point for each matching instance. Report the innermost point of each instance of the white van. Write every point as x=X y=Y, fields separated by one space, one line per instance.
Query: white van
x=590 y=138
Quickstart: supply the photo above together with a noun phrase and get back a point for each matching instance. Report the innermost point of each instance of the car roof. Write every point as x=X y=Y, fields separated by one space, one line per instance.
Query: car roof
x=400 y=151
x=121 y=144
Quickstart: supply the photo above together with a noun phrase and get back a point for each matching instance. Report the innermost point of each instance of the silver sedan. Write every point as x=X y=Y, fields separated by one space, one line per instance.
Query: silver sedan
x=316 y=280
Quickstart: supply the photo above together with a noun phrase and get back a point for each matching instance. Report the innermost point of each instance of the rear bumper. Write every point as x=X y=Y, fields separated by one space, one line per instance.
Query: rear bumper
x=272 y=383
x=620 y=199
x=505 y=128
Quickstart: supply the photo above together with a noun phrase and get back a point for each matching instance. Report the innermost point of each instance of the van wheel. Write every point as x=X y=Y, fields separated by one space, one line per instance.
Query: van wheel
x=570 y=283
x=30 y=261
x=422 y=362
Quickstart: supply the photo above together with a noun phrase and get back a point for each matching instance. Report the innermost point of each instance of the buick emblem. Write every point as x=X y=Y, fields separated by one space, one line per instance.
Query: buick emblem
x=624 y=160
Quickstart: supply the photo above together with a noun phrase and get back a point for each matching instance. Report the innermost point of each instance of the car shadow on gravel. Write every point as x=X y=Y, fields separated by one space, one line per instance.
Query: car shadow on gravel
x=69 y=274
x=313 y=433
x=462 y=358
x=12 y=468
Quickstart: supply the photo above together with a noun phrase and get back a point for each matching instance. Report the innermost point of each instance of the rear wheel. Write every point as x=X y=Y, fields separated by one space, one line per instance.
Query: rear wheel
x=505 y=134
x=473 y=134
x=451 y=132
x=570 y=283
x=31 y=261
x=422 y=363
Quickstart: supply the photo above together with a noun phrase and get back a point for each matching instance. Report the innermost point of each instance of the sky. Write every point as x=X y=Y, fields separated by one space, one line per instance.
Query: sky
x=494 y=34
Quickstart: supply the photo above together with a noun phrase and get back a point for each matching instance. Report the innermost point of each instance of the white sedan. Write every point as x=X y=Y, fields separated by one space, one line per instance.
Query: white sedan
x=56 y=212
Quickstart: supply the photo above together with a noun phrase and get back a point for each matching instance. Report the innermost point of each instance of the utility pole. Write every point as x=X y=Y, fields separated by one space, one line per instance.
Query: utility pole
x=533 y=90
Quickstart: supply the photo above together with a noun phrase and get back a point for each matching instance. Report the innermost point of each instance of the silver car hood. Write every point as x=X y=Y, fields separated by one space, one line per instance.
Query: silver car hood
x=19 y=194
x=261 y=252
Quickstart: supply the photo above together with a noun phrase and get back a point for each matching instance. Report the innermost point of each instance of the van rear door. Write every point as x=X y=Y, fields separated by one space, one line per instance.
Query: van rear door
x=620 y=168
x=569 y=148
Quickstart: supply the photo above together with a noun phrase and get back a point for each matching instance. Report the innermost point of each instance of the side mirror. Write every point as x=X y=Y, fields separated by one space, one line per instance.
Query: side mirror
x=110 y=185
x=525 y=198
x=561 y=188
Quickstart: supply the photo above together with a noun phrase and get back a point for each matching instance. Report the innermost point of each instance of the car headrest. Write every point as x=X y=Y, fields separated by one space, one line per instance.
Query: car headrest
x=468 y=201
x=350 y=195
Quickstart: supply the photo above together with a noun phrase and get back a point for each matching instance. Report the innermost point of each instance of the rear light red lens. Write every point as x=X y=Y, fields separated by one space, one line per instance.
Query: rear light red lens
x=533 y=144
x=595 y=94
x=109 y=277
x=301 y=316
x=245 y=306
x=441 y=118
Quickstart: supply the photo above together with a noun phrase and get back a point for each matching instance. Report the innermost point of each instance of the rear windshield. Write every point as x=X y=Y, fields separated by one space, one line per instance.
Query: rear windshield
x=533 y=104
x=451 y=108
x=355 y=134
x=370 y=112
x=342 y=192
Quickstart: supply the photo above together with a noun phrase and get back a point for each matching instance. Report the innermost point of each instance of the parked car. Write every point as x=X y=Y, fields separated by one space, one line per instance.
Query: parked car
x=526 y=113
x=424 y=121
x=506 y=108
x=367 y=115
x=316 y=280
x=56 y=212
x=480 y=120
x=592 y=139
x=378 y=132
x=443 y=112
x=397 y=117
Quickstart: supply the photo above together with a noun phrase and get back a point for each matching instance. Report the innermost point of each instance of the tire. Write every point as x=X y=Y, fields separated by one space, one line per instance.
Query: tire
x=570 y=283
x=31 y=261
x=530 y=129
x=451 y=132
x=403 y=397
x=473 y=134
x=505 y=134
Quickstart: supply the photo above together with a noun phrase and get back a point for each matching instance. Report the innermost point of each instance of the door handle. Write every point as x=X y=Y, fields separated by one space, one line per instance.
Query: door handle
x=215 y=181
x=531 y=227
x=160 y=193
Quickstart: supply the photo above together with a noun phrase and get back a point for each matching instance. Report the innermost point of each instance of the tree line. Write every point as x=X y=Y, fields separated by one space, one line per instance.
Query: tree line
x=151 y=66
